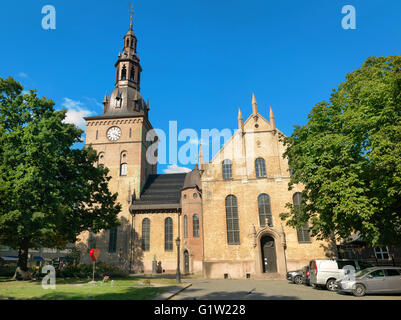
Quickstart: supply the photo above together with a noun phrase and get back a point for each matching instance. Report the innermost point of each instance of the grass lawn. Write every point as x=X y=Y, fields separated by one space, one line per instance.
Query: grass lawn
x=133 y=288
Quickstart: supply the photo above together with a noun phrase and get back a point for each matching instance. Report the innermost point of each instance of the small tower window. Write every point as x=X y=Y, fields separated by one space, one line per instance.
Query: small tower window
x=124 y=73
x=127 y=43
x=132 y=77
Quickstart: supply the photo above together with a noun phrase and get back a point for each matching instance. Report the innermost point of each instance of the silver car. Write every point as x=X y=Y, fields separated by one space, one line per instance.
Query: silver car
x=372 y=280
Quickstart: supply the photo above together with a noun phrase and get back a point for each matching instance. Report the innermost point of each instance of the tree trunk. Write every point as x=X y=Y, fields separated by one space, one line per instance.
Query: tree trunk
x=22 y=265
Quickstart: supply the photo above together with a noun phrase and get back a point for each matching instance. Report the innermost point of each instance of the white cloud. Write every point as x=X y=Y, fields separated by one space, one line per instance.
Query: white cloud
x=176 y=169
x=22 y=75
x=76 y=112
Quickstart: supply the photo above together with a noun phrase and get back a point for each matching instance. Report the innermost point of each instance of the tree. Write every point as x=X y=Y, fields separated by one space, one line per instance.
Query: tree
x=49 y=191
x=348 y=158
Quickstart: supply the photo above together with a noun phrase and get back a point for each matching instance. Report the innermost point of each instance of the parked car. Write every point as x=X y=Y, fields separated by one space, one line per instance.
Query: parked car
x=306 y=276
x=295 y=276
x=372 y=280
x=325 y=273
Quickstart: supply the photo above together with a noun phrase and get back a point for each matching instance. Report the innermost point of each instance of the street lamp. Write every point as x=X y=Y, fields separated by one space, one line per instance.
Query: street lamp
x=178 y=274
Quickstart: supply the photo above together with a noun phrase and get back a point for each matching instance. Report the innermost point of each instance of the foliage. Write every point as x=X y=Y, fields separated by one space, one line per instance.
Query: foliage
x=348 y=158
x=85 y=270
x=74 y=255
x=49 y=191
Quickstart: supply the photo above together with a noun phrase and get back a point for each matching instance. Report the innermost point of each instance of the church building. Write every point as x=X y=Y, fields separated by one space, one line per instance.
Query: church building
x=221 y=219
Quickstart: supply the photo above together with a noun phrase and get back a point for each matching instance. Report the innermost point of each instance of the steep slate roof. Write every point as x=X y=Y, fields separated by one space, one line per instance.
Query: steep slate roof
x=161 y=191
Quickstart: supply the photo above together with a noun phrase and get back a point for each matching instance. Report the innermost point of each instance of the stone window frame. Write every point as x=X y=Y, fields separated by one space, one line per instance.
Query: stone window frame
x=232 y=220
x=145 y=234
x=168 y=234
x=185 y=226
x=260 y=168
x=195 y=226
x=265 y=210
x=227 y=170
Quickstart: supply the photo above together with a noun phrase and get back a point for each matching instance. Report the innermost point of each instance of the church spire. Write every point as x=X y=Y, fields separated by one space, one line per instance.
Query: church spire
x=200 y=156
x=128 y=69
x=240 y=120
x=254 y=104
x=272 y=120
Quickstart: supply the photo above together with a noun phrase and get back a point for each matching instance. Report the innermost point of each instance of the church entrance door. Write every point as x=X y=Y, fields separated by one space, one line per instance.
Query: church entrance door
x=268 y=254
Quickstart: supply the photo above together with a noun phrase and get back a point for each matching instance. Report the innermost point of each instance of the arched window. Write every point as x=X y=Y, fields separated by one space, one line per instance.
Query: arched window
x=100 y=161
x=146 y=234
x=260 y=167
x=127 y=42
x=113 y=240
x=265 y=211
x=302 y=233
x=195 y=226
x=124 y=73
x=132 y=76
x=168 y=234
x=185 y=227
x=232 y=220
x=227 y=169
x=123 y=169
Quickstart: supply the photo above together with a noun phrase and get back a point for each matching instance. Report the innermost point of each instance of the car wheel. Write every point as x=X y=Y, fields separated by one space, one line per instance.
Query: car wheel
x=359 y=290
x=331 y=285
x=298 y=280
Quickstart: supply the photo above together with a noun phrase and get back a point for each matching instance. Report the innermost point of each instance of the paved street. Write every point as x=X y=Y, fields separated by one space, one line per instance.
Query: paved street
x=263 y=289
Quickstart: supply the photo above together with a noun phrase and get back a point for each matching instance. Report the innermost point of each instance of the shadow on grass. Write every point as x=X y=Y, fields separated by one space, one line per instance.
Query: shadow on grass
x=146 y=293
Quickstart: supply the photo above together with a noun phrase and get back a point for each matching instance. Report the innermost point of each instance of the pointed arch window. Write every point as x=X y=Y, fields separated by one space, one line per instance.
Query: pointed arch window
x=302 y=233
x=265 y=211
x=185 y=226
x=127 y=43
x=168 y=234
x=113 y=240
x=232 y=220
x=260 y=168
x=146 y=234
x=227 y=169
x=195 y=226
x=124 y=73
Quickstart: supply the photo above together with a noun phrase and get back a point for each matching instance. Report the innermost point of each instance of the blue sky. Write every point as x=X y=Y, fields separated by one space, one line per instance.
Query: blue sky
x=201 y=59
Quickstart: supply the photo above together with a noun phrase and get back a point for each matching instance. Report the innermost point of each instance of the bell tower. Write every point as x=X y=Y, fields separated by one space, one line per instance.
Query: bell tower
x=119 y=133
x=128 y=68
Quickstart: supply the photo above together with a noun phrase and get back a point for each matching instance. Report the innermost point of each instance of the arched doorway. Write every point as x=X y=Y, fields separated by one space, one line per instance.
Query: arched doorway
x=186 y=262
x=268 y=248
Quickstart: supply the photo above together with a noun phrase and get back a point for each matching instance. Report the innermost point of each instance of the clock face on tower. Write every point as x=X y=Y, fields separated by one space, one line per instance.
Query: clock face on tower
x=114 y=133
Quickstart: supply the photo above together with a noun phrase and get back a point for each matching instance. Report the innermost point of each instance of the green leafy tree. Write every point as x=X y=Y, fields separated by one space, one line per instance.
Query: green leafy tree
x=49 y=191
x=348 y=158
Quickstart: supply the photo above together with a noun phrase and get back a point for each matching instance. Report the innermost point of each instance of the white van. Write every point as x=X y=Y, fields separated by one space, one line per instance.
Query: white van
x=327 y=272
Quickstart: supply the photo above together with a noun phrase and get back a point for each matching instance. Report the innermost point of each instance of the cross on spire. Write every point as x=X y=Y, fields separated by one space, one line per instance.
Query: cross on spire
x=131 y=12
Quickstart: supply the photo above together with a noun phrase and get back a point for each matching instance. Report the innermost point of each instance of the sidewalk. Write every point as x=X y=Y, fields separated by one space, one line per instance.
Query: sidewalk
x=172 y=291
